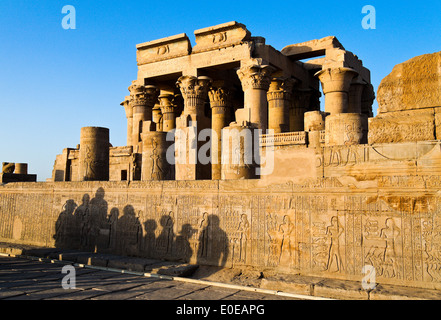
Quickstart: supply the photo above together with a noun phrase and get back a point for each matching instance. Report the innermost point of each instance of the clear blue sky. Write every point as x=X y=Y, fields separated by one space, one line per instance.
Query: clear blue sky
x=54 y=81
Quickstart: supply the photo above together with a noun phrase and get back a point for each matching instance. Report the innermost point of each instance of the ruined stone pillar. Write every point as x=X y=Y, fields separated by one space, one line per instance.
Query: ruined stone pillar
x=314 y=123
x=239 y=150
x=279 y=101
x=346 y=129
x=129 y=115
x=221 y=104
x=336 y=83
x=255 y=79
x=168 y=112
x=154 y=155
x=194 y=92
x=355 y=92
x=21 y=168
x=142 y=101
x=94 y=154
x=300 y=104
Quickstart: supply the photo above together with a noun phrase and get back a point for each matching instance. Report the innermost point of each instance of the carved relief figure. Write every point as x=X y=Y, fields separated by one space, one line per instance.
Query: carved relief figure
x=275 y=240
x=334 y=231
x=82 y=217
x=165 y=240
x=390 y=234
x=287 y=243
x=432 y=249
x=382 y=252
x=112 y=221
x=244 y=236
x=203 y=235
x=156 y=169
x=129 y=231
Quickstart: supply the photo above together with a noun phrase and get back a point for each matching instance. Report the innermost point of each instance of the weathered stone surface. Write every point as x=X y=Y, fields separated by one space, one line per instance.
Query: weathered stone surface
x=414 y=84
x=220 y=36
x=404 y=126
x=163 y=49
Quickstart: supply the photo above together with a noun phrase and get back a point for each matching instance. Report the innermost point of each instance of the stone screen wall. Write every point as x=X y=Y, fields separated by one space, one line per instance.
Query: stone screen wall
x=317 y=227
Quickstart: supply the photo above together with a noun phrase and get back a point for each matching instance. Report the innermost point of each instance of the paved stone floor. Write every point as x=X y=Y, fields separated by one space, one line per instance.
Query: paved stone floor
x=23 y=279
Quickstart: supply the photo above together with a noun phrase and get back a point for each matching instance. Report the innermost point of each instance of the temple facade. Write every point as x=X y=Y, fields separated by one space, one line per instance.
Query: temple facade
x=253 y=99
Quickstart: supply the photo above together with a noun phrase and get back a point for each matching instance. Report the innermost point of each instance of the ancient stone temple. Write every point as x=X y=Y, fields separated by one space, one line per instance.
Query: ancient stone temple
x=231 y=161
x=230 y=82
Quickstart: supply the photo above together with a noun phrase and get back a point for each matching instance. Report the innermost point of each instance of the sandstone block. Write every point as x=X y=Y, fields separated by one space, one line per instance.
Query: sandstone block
x=405 y=126
x=414 y=84
x=220 y=36
x=163 y=49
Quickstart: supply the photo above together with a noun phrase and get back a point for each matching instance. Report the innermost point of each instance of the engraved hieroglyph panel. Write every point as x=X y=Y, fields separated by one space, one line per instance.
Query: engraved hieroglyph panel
x=316 y=228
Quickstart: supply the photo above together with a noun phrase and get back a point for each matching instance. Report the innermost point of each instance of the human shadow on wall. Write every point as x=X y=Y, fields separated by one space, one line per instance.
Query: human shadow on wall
x=64 y=233
x=89 y=227
x=213 y=244
x=129 y=233
x=85 y=227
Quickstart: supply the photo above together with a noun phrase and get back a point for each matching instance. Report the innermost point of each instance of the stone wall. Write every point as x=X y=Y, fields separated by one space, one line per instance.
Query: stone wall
x=324 y=226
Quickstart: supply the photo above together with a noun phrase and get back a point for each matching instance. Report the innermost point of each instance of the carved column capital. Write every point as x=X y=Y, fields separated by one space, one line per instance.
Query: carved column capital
x=336 y=79
x=166 y=103
x=220 y=96
x=281 y=89
x=255 y=76
x=127 y=108
x=194 y=91
x=192 y=86
x=143 y=95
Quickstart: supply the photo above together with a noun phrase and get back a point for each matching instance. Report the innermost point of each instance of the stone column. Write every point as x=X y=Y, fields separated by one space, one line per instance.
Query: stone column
x=194 y=92
x=314 y=124
x=336 y=83
x=168 y=112
x=255 y=79
x=21 y=168
x=142 y=100
x=301 y=99
x=129 y=115
x=346 y=129
x=221 y=103
x=154 y=160
x=355 y=92
x=94 y=154
x=279 y=101
x=157 y=117
x=238 y=152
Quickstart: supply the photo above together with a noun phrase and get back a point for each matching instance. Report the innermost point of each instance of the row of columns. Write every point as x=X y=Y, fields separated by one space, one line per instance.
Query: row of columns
x=269 y=103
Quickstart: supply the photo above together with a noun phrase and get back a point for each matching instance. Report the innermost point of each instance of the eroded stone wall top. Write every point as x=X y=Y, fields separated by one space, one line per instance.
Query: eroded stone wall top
x=162 y=49
x=220 y=36
x=414 y=84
